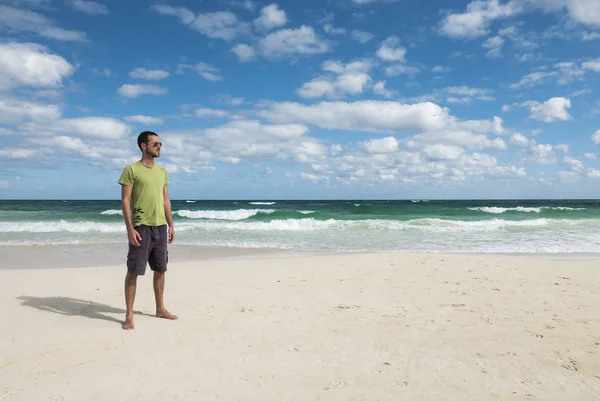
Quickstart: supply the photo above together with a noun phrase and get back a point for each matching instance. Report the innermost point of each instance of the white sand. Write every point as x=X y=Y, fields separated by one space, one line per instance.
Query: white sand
x=339 y=327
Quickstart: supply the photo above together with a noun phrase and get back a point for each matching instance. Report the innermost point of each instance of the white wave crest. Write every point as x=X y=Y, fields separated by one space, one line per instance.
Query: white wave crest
x=240 y=214
x=60 y=226
x=309 y=224
x=112 y=212
x=522 y=209
x=262 y=203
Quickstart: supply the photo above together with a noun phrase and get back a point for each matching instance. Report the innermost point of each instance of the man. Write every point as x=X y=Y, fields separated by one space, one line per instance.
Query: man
x=146 y=210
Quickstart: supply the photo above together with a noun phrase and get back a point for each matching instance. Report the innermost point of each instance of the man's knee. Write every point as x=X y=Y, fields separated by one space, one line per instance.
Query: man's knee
x=131 y=278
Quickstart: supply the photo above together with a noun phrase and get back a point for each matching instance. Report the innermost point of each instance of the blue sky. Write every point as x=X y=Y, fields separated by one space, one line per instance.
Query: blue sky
x=293 y=100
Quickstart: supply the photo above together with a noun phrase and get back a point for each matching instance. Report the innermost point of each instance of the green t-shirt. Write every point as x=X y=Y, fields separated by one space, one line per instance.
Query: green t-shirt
x=147 y=194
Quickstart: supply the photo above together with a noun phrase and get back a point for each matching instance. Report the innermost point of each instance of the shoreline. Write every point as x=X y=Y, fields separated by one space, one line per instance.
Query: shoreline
x=95 y=255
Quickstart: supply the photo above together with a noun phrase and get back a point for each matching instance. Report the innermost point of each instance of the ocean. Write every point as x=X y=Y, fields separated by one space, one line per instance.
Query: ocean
x=449 y=226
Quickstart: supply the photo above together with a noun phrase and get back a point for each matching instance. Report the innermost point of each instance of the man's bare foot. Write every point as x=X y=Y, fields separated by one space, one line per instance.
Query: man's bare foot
x=128 y=325
x=165 y=314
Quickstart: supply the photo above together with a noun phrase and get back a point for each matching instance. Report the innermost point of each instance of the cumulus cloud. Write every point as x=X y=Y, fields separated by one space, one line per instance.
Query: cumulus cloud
x=31 y=65
x=288 y=42
x=271 y=16
x=391 y=50
x=244 y=52
x=348 y=79
x=554 y=109
x=217 y=25
x=476 y=19
x=380 y=89
x=137 y=90
x=365 y=115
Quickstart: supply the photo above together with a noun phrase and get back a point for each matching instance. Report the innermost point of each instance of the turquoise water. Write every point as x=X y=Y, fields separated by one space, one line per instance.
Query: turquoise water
x=532 y=226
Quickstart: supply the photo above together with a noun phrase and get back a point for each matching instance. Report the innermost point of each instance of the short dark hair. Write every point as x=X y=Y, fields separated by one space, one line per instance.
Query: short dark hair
x=143 y=137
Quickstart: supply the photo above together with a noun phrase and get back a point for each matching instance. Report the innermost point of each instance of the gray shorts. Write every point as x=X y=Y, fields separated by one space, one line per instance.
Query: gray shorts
x=152 y=250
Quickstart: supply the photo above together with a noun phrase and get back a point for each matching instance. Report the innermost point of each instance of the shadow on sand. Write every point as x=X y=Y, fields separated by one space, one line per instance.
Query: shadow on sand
x=73 y=307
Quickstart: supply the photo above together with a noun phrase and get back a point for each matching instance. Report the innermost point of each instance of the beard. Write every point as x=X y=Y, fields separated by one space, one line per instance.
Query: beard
x=153 y=153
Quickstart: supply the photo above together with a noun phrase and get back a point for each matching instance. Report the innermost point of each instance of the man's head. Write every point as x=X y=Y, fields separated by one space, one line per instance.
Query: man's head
x=149 y=143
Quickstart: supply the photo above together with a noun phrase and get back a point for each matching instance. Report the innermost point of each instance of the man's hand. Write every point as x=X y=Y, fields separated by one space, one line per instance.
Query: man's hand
x=134 y=237
x=171 y=234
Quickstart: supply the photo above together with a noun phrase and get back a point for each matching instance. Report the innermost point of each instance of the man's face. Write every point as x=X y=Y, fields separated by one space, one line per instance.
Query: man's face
x=153 y=146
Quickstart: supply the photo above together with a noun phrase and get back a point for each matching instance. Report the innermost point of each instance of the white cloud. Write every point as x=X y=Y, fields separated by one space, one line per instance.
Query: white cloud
x=520 y=140
x=554 y=109
x=380 y=89
x=14 y=111
x=242 y=140
x=220 y=25
x=16 y=20
x=573 y=164
x=349 y=79
x=583 y=11
x=590 y=156
x=88 y=7
x=562 y=147
x=494 y=44
x=391 y=50
x=137 y=90
x=332 y=30
x=90 y=127
x=596 y=137
x=590 y=36
x=541 y=153
x=30 y=64
x=442 y=152
x=148 y=120
x=593 y=173
x=206 y=71
x=455 y=137
x=532 y=79
x=361 y=36
x=401 y=69
x=142 y=73
x=592 y=65
x=244 y=52
x=185 y=15
x=475 y=21
x=271 y=16
x=366 y=115
x=217 y=25
x=287 y=42
x=206 y=112
x=384 y=145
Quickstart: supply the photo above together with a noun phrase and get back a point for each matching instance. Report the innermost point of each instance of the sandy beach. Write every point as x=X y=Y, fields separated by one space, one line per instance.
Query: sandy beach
x=332 y=327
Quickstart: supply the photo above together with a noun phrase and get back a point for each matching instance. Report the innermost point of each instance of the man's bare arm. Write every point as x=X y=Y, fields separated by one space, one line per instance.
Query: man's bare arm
x=133 y=236
x=126 y=206
x=168 y=213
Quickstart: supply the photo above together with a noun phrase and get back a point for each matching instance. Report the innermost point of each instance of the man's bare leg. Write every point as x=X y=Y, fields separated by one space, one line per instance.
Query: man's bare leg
x=130 y=286
x=159 y=289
